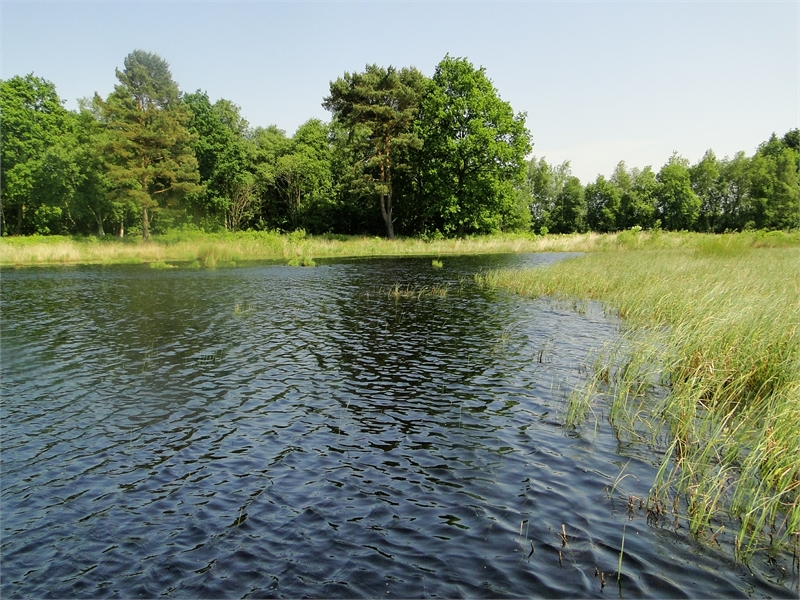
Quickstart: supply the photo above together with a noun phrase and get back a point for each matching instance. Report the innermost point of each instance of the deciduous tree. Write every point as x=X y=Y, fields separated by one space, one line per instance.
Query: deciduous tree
x=678 y=205
x=603 y=201
x=37 y=140
x=226 y=161
x=473 y=152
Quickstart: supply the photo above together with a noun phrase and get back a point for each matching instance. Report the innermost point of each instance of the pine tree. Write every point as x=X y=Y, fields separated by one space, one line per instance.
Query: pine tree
x=383 y=103
x=151 y=162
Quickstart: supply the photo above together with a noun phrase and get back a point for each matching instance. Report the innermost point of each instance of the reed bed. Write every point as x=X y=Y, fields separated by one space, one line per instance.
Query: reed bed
x=211 y=250
x=221 y=249
x=398 y=292
x=716 y=326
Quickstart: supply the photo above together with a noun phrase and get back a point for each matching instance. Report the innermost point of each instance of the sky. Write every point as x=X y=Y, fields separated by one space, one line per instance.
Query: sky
x=600 y=81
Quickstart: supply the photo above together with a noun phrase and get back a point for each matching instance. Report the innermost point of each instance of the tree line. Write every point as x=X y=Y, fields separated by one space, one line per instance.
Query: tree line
x=403 y=154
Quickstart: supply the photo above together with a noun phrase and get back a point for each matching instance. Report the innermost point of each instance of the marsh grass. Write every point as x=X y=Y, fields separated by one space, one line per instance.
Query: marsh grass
x=226 y=248
x=160 y=264
x=398 y=292
x=708 y=370
x=302 y=261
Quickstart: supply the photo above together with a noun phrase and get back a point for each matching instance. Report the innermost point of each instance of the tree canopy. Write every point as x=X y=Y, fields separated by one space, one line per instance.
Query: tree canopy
x=473 y=151
x=148 y=146
x=403 y=154
x=379 y=106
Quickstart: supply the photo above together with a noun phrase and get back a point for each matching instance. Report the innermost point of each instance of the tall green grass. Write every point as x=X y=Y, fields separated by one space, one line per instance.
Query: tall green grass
x=718 y=323
x=212 y=249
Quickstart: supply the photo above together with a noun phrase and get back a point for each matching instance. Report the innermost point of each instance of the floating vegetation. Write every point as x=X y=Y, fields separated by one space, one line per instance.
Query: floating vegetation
x=160 y=264
x=399 y=292
x=707 y=370
x=241 y=309
x=302 y=261
x=437 y=264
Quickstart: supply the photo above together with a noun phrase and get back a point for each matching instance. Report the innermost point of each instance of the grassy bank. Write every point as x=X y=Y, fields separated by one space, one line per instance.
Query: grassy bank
x=718 y=322
x=218 y=249
x=211 y=250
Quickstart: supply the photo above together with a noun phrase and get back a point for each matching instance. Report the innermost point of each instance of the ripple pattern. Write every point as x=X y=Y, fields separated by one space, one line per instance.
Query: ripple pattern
x=280 y=432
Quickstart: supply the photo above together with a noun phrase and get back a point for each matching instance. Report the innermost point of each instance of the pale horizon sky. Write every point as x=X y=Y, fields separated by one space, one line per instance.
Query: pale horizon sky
x=600 y=81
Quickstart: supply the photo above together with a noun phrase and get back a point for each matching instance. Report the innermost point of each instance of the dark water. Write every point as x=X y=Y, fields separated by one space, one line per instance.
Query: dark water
x=275 y=431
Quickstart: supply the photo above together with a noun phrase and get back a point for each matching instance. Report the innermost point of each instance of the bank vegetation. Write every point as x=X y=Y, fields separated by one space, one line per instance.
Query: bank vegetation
x=716 y=323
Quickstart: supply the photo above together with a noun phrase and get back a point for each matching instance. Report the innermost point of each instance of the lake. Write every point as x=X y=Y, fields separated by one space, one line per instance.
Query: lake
x=269 y=431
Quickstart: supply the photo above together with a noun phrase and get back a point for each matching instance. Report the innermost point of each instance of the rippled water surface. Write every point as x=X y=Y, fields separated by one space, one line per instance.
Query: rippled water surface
x=277 y=431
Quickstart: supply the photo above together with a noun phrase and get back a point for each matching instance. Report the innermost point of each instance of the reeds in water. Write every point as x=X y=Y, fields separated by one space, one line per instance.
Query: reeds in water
x=718 y=326
x=398 y=292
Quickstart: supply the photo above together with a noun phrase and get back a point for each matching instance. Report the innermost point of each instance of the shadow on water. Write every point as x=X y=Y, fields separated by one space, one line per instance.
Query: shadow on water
x=274 y=431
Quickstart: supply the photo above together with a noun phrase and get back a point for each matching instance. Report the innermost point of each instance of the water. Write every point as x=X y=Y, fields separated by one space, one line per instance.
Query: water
x=274 y=431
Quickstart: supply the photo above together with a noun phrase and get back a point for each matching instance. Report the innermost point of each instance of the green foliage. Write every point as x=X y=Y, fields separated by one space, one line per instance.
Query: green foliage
x=148 y=147
x=39 y=175
x=678 y=205
x=303 y=175
x=472 y=153
x=225 y=158
x=604 y=203
x=435 y=157
x=378 y=108
x=302 y=261
x=558 y=203
x=774 y=185
x=637 y=205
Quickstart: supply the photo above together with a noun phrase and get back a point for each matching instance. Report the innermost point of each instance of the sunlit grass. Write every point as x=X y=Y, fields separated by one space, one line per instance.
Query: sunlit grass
x=717 y=324
x=223 y=249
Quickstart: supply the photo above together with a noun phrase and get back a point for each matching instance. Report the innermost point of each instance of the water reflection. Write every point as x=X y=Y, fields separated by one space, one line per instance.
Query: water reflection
x=269 y=431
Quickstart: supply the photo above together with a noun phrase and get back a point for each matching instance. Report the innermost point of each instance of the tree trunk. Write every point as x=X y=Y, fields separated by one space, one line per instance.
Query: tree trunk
x=386 y=184
x=145 y=225
x=145 y=219
x=121 y=228
x=98 y=217
x=20 y=212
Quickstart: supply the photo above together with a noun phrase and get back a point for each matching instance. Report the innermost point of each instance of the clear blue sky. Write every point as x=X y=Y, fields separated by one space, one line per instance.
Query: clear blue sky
x=601 y=81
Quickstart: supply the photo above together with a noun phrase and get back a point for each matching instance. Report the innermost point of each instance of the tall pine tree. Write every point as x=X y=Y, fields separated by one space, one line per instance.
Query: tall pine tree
x=151 y=162
x=382 y=104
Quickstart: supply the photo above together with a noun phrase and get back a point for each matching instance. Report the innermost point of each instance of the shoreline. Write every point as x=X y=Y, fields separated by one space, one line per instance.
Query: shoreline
x=210 y=250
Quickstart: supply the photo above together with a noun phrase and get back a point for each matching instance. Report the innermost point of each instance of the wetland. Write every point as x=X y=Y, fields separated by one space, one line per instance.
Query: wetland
x=373 y=427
